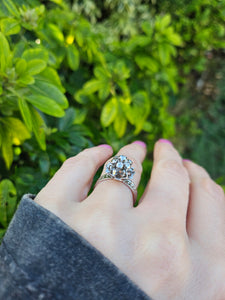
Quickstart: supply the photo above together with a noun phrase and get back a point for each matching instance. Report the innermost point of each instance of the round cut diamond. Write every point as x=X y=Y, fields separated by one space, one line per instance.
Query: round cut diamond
x=127 y=165
x=119 y=165
x=123 y=158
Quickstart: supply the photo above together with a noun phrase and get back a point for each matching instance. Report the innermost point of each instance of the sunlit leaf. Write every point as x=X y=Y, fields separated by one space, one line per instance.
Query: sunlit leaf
x=50 y=91
x=38 y=126
x=5 y=54
x=8 y=201
x=38 y=53
x=35 y=66
x=109 y=112
x=10 y=26
x=25 y=112
x=46 y=105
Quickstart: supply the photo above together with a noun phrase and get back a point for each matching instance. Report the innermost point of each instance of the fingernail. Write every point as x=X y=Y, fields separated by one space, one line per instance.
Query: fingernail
x=185 y=159
x=140 y=143
x=105 y=145
x=165 y=141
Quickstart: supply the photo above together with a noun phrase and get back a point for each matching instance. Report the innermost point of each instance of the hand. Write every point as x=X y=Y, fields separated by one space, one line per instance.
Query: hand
x=172 y=245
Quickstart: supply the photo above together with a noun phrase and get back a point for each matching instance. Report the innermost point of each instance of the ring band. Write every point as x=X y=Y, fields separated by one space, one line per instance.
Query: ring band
x=119 y=169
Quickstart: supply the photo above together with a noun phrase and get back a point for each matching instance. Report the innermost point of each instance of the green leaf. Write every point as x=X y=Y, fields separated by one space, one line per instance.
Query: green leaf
x=138 y=111
x=144 y=61
x=26 y=80
x=21 y=66
x=38 y=53
x=67 y=121
x=56 y=33
x=92 y=86
x=165 y=21
x=5 y=54
x=11 y=8
x=120 y=123
x=7 y=151
x=109 y=112
x=8 y=201
x=18 y=131
x=2 y=233
x=46 y=105
x=73 y=57
x=101 y=73
x=80 y=115
x=50 y=91
x=18 y=49
x=10 y=26
x=50 y=75
x=38 y=125
x=164 y=53
x=25 y=112
x=35 y=66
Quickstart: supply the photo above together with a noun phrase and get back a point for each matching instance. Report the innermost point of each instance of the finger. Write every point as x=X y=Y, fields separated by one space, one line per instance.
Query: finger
x=206 y=212
x=115 y=191
x=73 y=180
x=165 y=199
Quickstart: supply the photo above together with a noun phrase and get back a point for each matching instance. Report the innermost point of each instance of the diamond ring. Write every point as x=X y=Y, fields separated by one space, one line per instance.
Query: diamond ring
x=119 y=168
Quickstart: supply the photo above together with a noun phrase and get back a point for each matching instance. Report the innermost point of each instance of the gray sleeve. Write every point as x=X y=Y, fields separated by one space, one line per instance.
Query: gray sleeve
x=43 y=258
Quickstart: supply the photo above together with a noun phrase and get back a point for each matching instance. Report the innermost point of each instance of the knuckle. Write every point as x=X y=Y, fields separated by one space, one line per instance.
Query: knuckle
x=88 y=157
x=69 y=161
x=212 y=188
x=85 y=157
x=174 y=168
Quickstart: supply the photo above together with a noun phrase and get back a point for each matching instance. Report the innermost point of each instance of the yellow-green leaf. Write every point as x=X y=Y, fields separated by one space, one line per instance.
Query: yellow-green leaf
x=5 y=54
x=39 y=126
x=8 y=201
x=56 y=32
x=7 y=151
x=35 y=66
x=51 y=91
x=21 y=66
x=120 y=124
x=38 y=53
x=18 y=130
x=10 y=26
x=109 y=112
x=25 y=112
x=26 y=79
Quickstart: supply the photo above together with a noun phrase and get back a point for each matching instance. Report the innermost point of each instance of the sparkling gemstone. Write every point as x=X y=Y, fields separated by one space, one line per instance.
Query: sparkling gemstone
x=119 y=165
x=109 y=165
x=130 y=173
x=114 y=172
x=123 y=158
x=127 y=165
x=120 y=174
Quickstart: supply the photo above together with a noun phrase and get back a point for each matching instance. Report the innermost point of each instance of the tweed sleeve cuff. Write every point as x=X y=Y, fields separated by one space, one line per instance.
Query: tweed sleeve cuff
x=43 y=258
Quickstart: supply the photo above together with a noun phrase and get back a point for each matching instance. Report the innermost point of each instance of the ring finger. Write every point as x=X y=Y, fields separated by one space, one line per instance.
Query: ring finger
x=115 y=191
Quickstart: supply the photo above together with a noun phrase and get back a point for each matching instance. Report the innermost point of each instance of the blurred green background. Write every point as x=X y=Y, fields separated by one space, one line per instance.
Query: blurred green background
x=74 y=74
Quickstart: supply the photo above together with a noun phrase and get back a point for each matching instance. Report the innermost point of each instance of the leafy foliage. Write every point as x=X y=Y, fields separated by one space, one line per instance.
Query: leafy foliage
x=78 y=73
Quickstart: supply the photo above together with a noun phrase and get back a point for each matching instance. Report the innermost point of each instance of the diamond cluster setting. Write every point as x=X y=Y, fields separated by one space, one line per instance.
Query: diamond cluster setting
x=119 y=167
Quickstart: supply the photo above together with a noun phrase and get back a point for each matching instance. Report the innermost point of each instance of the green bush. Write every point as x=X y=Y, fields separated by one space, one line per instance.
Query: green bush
x=74 y=74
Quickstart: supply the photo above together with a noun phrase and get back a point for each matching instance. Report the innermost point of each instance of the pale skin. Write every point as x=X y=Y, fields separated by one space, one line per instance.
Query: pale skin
x=172 y=245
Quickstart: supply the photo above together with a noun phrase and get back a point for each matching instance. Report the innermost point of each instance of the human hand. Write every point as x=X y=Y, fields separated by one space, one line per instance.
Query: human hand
x=172 y=245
